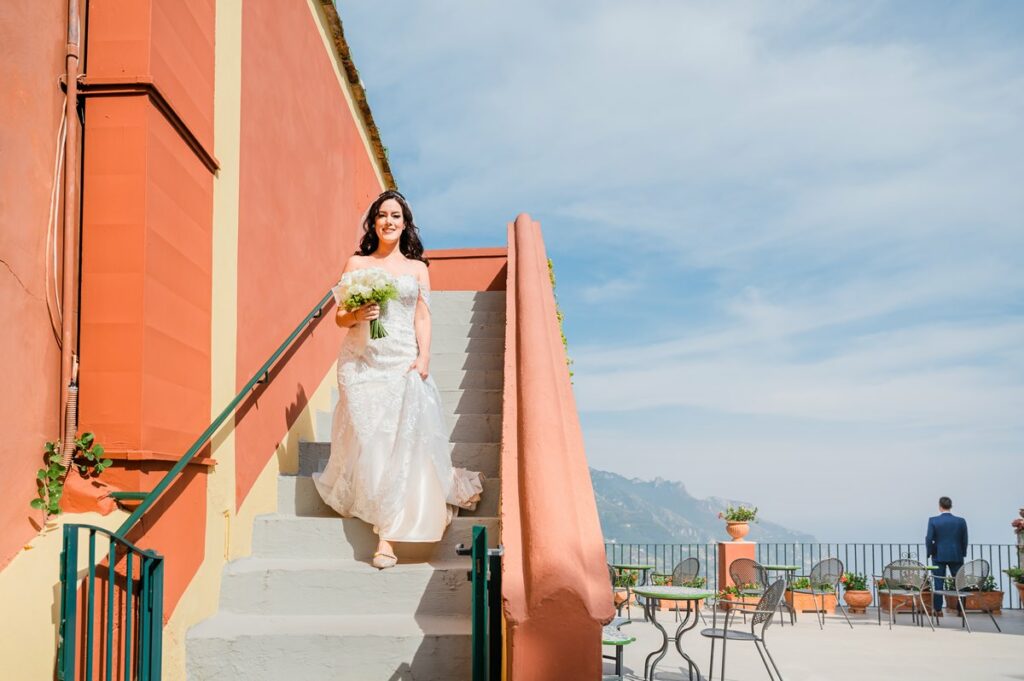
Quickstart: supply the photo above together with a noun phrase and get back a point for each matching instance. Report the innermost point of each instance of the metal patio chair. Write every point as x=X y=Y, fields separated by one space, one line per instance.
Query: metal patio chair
x=904 y=577
x=686 y=570
x=968 y=580
x=612 y=576
x=824 y=579
x=761 y=619
x=750 y=577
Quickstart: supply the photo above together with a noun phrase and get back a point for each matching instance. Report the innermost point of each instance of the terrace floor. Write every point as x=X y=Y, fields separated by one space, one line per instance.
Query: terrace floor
x=837 y=653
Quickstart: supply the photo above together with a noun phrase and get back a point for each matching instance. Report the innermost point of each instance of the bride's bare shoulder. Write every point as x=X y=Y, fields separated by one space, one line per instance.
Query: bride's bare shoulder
x=355 y=262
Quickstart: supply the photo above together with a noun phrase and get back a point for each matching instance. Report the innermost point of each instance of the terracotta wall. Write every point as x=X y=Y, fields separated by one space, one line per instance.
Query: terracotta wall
x=305 y=180
x=32 y=42
x=146 y=258
x=468 y=269
x=555 y=592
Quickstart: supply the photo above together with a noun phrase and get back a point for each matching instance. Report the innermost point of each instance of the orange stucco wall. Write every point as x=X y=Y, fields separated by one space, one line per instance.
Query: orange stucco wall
x=32 y=36
x=305 y=180
x=146 y=261
x=555 y=593
x=468 y=269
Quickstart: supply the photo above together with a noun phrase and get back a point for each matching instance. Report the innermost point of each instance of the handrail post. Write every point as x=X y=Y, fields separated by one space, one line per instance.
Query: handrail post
x=68 y=604
x=485 y=580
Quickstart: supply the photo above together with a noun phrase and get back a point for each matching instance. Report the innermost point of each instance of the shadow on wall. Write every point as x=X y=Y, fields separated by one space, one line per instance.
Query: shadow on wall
x=297 y=408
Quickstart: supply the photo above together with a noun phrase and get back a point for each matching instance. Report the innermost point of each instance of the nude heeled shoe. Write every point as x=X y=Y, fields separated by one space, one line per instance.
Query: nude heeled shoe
x=384 y=560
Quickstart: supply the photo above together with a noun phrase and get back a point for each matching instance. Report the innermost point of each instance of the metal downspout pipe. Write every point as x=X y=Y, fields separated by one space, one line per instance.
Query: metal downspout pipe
x=69 y=330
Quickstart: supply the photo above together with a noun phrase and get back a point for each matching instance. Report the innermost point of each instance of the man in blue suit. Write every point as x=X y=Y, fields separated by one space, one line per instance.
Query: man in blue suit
x=946 y=543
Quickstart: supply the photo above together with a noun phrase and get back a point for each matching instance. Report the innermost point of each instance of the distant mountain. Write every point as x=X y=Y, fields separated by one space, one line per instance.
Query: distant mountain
x=660 y=511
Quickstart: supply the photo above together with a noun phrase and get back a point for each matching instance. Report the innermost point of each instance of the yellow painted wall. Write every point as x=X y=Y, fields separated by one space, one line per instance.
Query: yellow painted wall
x=30 y=599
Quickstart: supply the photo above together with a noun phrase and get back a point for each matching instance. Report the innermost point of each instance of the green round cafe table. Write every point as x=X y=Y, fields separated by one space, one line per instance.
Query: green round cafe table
x=686 y=594
x=787 y=572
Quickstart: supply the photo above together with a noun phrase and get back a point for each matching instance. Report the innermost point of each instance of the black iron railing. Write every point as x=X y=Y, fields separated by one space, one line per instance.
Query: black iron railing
x=868 y=559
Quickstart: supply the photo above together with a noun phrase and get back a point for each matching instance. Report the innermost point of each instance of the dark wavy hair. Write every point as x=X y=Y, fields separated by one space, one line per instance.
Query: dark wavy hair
x=409 y=243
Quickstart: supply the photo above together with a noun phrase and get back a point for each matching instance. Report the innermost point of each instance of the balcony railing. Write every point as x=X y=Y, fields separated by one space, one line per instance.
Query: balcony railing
x=868 y=559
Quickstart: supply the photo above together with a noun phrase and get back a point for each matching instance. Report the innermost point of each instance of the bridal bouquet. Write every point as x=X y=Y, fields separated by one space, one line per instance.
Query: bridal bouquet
x=372 y=285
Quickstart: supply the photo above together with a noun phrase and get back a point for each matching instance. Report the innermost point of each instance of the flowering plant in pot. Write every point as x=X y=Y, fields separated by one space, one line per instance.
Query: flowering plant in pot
x=855 y=591
x=805 y=602
x=985 y=597
x=737 y=520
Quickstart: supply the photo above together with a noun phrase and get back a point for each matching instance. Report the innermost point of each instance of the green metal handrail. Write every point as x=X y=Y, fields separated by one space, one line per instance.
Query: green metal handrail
x=144 y=636
x=485 y=579
x=261 y=376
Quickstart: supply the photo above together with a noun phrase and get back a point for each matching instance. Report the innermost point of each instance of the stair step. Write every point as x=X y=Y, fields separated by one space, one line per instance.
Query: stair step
x=304 y=586
x=474 y=427
x=467 y=360
x=465 y=344
x=330 y=648
x=286 y=536
x=472 y=401
x=474 y=456
x=475 y=300
x=443 y=331
x=454 y=379
x=458 y=314
x=298 y=496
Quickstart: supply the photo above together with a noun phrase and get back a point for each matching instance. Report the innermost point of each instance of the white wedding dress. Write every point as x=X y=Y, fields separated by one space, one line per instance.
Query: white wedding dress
x=390 y=464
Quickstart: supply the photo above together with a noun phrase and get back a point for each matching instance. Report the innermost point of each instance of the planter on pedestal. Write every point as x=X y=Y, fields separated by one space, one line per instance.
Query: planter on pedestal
x=737 y=529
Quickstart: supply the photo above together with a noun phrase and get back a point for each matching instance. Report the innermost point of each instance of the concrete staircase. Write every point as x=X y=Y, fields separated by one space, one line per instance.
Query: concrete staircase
x=308 y=605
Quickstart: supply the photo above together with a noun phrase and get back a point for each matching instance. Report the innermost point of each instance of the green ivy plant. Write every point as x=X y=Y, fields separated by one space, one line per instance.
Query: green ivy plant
x=50 y=480
x=561 y=318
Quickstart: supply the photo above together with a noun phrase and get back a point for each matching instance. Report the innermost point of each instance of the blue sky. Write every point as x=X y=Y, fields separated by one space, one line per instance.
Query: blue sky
x=788 y=236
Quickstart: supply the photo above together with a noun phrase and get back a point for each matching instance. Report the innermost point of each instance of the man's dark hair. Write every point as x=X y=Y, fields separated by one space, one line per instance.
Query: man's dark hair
x=945 y=503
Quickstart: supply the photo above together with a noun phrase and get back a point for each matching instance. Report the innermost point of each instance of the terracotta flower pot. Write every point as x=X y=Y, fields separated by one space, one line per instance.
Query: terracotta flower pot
x=857 y=600
x=1020 y=591
x=807 y=603
x=981 y=600
x=737 y=529
x=902 y=603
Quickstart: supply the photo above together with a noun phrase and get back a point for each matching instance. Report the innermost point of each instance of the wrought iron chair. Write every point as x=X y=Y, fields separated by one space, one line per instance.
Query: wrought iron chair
x=750 y=577
x=685 y=571
x=969 y=580
x=907 y=578
x=762 y=617
x=612 y=577
x=824 y=579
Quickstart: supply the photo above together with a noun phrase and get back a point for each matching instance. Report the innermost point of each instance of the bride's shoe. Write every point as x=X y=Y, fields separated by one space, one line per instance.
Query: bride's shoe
x=384 y=560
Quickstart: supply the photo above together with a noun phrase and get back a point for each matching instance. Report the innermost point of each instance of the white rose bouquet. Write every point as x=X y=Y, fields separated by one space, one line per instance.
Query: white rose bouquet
x=371 y=285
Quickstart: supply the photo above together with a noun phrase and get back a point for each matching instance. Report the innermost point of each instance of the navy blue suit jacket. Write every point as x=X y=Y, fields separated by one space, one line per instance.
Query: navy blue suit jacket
x=946 y=540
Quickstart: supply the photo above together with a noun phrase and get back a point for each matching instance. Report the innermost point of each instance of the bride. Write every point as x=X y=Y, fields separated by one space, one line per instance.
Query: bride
x=390 y=464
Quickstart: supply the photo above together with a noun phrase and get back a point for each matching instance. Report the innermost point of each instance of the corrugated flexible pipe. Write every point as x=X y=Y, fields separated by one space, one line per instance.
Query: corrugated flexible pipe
x=67 y=448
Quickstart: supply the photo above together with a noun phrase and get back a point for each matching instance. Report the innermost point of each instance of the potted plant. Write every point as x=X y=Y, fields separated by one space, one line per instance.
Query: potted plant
x=729 y=595
x=737 y=521
x=899 y=602
x=801 y=602
x=625 y=578
x=855 y=591
x=1017 y=575
x=987 y=597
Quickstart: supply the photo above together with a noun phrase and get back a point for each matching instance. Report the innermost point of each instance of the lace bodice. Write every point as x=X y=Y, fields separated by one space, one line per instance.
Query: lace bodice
x=364 y=359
